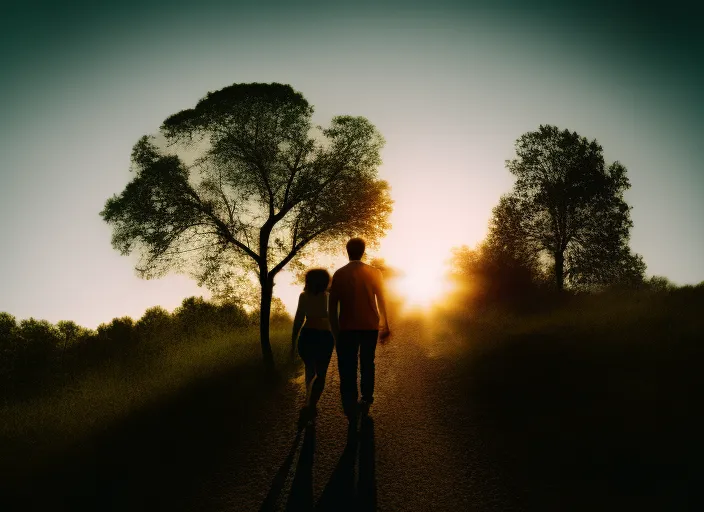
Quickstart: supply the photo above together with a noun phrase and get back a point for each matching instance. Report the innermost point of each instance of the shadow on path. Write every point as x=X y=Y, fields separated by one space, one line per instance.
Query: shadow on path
x=344 y=491
x=301 y=497
x=352 y=485
x=305 y=461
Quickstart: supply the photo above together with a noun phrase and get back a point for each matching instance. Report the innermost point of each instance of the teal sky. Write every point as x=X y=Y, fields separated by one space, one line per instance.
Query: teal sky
x=449 y=85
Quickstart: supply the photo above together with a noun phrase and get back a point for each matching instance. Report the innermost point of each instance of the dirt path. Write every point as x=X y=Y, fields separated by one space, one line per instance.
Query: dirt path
x=419 y=449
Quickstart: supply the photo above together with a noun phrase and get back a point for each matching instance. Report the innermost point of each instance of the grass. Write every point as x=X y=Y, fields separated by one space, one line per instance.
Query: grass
x=595 y=404
x=36 y=431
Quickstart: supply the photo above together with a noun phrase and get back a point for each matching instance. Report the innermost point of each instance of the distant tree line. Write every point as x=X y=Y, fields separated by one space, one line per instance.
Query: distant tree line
x=36 y=355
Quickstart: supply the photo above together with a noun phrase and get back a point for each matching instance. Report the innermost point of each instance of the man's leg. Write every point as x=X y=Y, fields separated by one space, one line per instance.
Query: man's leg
x=367 y=351
x=347 y=348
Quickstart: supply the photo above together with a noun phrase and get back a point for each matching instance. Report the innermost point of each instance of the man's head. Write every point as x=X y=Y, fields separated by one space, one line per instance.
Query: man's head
x=355 y=249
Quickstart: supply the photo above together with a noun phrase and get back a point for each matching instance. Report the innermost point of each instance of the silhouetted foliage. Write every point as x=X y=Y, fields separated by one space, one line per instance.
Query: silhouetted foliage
x=72 y=338
x=36 y=347
x=8 y=324
x=493 y=276
x=198 y=317
x=567 y=211
x=117 y=336
x=193 y=313
x=38 y=342
x=506 y=243
x=8 y=349
x=265 y=187
x=36 y=355
x=156 y=324
x=279 y=314
x=660 y=283
x=70 y=333
x=232 y=315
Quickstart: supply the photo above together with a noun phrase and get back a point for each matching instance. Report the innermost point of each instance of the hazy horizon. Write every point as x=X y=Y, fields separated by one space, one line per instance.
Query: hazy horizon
x=450 y=87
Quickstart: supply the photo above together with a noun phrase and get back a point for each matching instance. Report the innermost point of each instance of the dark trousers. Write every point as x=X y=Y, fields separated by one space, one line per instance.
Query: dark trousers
x=352 y=345
x=315 y=348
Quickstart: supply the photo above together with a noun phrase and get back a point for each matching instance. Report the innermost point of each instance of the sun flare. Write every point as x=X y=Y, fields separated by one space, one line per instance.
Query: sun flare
x=423 y=287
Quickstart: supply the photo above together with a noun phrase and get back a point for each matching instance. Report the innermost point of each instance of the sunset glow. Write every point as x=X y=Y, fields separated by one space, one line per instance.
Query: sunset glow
x=423 y=288
x=421 y=283
x=449 y=87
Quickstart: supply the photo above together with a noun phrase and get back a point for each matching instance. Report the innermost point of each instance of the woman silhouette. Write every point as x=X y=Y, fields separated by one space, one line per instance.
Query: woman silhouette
x=315 y=343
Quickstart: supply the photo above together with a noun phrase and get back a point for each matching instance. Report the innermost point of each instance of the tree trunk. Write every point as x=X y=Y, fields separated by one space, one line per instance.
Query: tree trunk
x=560 y=270
x=264 y=316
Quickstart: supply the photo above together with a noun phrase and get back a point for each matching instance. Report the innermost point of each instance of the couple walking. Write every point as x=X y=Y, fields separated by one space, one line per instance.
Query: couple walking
x=358 y=290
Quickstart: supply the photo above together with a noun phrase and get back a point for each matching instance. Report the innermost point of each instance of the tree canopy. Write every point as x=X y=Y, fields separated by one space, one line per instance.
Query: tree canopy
x=244 y=183
x=567 y=211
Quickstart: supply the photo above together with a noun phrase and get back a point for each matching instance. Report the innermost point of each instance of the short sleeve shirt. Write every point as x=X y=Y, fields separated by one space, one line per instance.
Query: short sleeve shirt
x=356 y=286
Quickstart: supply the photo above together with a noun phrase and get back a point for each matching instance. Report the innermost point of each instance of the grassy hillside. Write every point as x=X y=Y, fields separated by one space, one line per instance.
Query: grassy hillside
x=144 y=372
x=594 y=404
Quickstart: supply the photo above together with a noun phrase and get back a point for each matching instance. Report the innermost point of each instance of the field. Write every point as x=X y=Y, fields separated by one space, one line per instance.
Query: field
x=36 y=431
x=592 y=402
x=596 y=401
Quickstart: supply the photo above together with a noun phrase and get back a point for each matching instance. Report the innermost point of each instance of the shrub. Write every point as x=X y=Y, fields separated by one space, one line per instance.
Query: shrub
x=38 y=342
x=659 y=284
x=155 y=328
x=8 y=348
x=194 y=315
x=232 y=315
x=117 y=337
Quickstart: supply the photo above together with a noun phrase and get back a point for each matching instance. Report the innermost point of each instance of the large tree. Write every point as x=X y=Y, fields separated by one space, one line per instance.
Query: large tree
x=244 y=183
x=567 y=210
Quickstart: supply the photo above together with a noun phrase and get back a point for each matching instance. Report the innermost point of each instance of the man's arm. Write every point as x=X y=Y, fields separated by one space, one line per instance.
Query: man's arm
x=334 y=300
x=381 y=302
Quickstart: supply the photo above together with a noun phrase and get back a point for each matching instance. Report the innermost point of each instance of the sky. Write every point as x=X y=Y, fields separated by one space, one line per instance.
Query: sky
x=450 y=85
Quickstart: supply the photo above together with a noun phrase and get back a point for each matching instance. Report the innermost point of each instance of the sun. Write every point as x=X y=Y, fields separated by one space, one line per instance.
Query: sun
x=423 y=286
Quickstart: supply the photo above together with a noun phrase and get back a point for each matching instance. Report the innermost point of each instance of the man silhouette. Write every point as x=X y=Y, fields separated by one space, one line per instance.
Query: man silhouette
x=358 y=289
